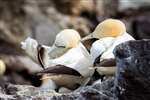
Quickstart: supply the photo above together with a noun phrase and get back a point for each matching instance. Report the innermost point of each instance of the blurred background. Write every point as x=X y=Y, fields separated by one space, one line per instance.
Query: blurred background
x=43 y=19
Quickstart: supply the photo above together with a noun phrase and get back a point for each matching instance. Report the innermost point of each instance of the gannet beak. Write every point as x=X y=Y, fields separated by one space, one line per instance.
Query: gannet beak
x=90 y=36
x=88 y=43
x=57 y=51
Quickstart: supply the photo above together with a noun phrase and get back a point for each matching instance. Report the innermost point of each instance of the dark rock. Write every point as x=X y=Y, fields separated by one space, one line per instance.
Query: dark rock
x=97 y=91
x=74 y=7
x=140 y=27
x=133 y=72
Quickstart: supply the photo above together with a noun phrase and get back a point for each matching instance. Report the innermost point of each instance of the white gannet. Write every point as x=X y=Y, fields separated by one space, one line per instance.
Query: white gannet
x=107 y=28
x=72 y=69
x=65 y=40
x=110 y=32
x=68 y=62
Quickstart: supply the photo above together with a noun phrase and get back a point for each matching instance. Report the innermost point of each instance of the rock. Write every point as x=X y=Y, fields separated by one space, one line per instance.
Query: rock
x=132 y=81
x=106 y=9
x=140 y=28
x=44 y=20
x=43 y=28
x=133 y=72
x=128 y=4
x=98 y=91
x=40 y=19
x=74 y=7
x=12 y=21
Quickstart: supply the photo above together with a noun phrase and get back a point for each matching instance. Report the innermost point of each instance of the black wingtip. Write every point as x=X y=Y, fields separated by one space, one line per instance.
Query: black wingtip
x=40 y=55
x=60 y=69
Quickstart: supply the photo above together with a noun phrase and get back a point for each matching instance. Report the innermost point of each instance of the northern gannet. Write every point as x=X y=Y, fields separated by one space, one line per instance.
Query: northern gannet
x=68 y=63
x=72 y=69
x=110 y=32
x=107 y=28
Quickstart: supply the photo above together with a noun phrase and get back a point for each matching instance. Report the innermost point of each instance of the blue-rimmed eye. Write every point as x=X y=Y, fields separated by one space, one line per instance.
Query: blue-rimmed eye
x=59 y=46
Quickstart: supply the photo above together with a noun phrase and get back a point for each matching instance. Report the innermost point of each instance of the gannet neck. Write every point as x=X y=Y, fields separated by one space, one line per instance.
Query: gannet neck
x=100 y=46
x=118 y=40
x=56 y=52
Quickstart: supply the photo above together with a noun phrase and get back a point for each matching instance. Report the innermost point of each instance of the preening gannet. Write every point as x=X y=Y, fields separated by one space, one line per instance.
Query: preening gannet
x=65 y=40
x=72 y=69
x=68 y=63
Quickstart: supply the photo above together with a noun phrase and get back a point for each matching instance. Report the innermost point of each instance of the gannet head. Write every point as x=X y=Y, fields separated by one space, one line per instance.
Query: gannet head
x=108 y=28
x=67 y=38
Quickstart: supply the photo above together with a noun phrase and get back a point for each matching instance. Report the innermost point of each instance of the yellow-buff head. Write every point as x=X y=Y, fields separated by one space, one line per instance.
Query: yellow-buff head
x=109 y=28
x=68 y=38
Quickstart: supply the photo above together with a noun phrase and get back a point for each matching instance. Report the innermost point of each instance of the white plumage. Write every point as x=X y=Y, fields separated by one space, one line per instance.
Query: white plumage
x=77 y=58
x=105 y=47
x=65 y=40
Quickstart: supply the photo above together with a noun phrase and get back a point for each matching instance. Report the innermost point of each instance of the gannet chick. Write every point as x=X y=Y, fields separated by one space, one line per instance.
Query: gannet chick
x=72 y=69
x=65 y=40
x=110 y=32
x=2 y=67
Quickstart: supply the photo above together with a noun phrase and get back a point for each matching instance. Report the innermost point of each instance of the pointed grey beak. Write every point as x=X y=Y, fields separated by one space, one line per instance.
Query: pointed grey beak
x=90 y=36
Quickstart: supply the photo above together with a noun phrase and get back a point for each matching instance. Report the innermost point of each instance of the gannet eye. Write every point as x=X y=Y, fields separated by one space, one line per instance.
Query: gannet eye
x=59 y=46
